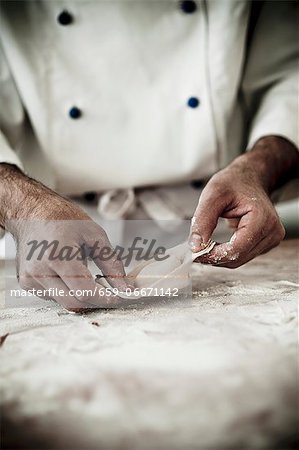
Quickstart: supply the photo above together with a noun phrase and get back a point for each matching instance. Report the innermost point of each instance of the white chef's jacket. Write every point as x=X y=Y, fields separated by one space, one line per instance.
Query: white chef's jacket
x=97 y=95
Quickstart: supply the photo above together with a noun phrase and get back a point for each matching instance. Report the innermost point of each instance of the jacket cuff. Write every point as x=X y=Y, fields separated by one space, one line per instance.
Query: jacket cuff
x=277 y=114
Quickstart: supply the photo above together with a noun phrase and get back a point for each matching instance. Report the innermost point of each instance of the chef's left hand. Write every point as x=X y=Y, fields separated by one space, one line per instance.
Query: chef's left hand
x=240 y=193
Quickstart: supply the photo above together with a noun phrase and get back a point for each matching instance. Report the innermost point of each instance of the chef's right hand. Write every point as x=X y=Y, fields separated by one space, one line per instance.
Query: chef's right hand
x=35 y=214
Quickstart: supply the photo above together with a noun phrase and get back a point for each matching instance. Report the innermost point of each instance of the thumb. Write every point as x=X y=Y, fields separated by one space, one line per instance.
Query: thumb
x=205 y=219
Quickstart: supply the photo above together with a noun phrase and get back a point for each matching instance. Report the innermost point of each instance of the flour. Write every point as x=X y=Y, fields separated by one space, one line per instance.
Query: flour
x=219 y=369
x=172 y=273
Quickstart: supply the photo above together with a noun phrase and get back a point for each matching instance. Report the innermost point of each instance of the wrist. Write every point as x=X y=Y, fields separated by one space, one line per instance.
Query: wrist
x=272 y=159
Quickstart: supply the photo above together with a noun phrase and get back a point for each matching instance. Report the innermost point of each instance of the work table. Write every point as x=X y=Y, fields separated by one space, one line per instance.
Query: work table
x=217 y=370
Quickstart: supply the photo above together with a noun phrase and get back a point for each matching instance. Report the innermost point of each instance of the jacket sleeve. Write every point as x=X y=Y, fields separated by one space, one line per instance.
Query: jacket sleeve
x=270 y=81
x=12 y=116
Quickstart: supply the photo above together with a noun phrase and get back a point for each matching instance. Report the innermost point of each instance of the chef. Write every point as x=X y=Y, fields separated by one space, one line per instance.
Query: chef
x=142 y=100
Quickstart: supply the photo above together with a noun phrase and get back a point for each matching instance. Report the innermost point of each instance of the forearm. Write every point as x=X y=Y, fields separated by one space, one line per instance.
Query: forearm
x=273 y=159
x=14 y=188
x=23 y=198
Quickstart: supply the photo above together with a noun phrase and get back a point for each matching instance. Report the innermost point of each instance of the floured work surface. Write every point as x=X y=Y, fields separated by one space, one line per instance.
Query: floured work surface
x=217 y=371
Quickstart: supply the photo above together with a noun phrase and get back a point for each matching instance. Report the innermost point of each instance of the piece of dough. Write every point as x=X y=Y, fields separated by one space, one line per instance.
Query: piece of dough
x=172 y=273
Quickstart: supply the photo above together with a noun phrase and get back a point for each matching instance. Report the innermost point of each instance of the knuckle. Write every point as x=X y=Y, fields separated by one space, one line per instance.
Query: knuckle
x=25 y=282
x=217 y=189
x=98 y=234
x=273 y=222
x=277 y=229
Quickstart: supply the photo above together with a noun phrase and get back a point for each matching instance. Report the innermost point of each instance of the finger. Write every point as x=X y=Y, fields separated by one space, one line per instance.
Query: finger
x=268 y=243
x=45 y=286
x=269 y=247
x=27 y=281
x=254 y=236
x=210 y=207
x=264 y=246
x=248 y=235
x=79 y=281
x=57 y=290
x=111 y=267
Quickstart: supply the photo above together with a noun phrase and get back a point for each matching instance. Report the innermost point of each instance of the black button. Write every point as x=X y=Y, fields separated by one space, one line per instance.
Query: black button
x=90 y=196
x=197 y=184
x=65 y=18
x=75 y=112
x=188 y=6
x=193 y=102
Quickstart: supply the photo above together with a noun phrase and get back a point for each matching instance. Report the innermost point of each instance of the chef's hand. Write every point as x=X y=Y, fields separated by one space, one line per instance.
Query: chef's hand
x=35 y=214
x=240 y=193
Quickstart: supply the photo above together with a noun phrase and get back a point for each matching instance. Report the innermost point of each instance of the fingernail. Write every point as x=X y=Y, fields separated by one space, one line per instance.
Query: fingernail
x=195 y=242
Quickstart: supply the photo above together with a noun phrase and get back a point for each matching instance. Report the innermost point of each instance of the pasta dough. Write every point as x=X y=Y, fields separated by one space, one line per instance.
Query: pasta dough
x=171 y=273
